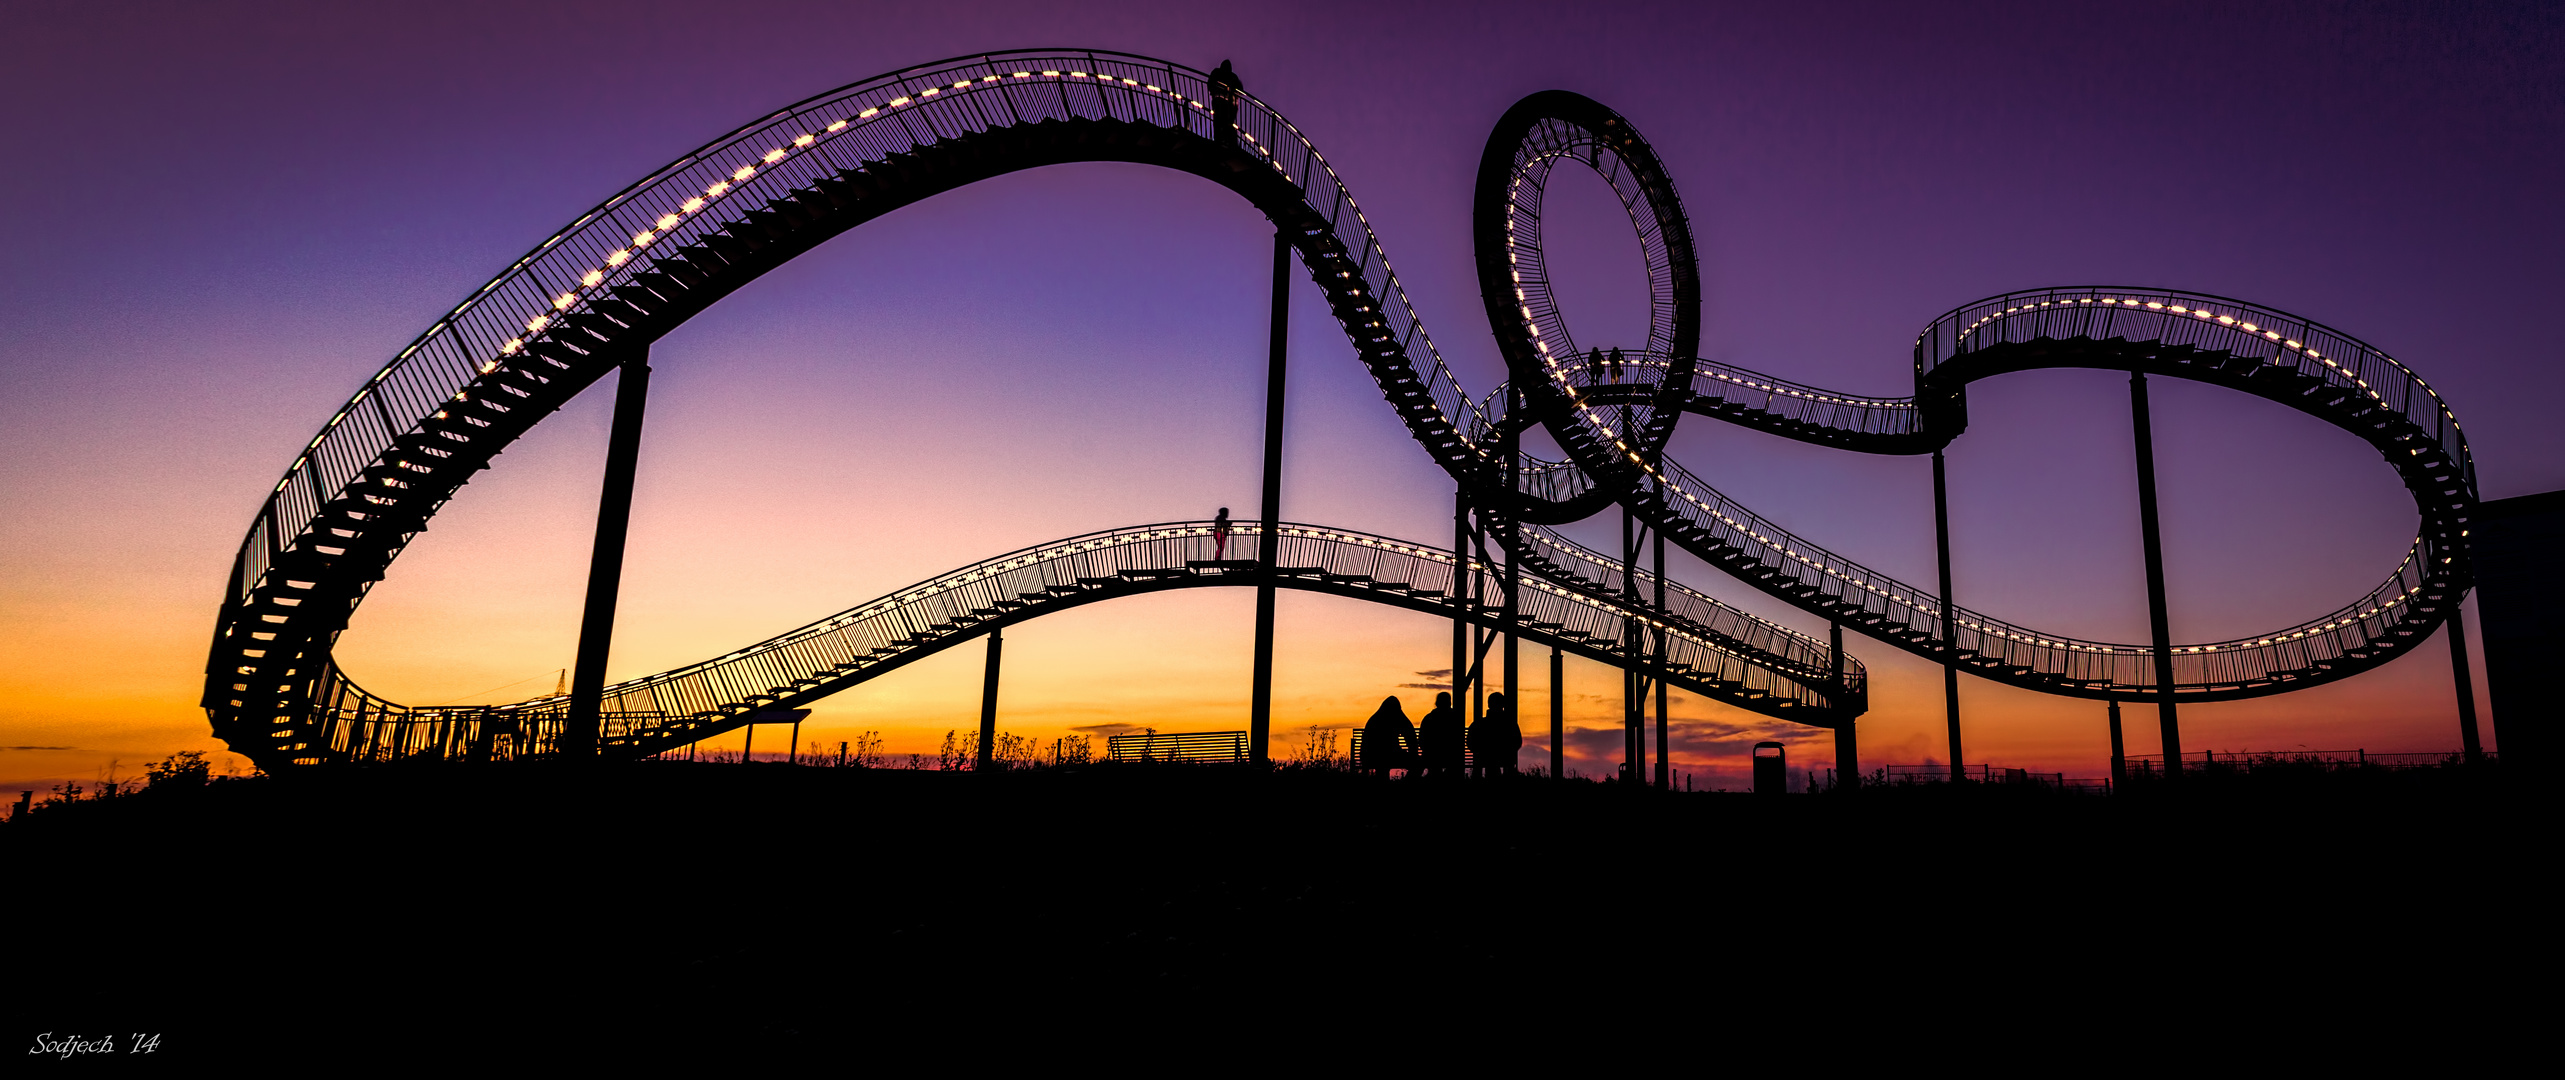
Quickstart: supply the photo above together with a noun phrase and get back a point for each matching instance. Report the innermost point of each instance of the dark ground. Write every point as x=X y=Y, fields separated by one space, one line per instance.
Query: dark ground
x=724 y=910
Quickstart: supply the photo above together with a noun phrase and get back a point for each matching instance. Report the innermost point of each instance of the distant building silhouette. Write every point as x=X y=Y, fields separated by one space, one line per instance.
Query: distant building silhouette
x=2516 y=585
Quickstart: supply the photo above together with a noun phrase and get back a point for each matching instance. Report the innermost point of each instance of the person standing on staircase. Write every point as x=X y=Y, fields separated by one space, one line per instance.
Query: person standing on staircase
x=1220 y=536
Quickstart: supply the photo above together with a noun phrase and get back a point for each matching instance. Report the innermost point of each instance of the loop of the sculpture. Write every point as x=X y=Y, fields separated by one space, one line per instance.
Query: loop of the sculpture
x=1612 y=442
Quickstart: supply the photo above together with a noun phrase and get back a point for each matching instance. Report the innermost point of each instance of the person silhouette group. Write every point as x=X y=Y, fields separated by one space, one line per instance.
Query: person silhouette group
x=1598 y=365
x=1442 y=746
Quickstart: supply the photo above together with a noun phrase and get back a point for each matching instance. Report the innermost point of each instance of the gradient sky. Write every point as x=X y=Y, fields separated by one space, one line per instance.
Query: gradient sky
x=224 y=217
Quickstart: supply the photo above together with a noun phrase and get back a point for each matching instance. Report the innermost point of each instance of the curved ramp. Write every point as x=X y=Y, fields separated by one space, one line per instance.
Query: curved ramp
x=1768 y=670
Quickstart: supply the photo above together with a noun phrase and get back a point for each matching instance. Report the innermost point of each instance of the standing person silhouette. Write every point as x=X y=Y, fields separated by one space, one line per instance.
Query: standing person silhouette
x=1389 y=741
x=1615 y=360
x=1220 y=536
x=1593 y=366
x=1441 y=739
x=1496 y=738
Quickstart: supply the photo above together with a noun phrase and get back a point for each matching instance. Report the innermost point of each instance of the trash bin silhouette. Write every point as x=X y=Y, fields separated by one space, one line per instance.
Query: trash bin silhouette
x=1772 y=769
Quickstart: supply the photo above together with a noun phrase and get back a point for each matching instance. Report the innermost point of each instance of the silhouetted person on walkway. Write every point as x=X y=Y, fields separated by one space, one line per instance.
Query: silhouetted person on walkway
x=1496 y=738
x=1615 y=360
x=1593 y=366
x=1442 y=740
x=1220 y=535
x=1389 y=741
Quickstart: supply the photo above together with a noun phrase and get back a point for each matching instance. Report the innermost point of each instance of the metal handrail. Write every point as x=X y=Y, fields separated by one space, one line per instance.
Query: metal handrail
x=819 y=658
x=1891 y=601
x=499 y=324
x=2201 y=320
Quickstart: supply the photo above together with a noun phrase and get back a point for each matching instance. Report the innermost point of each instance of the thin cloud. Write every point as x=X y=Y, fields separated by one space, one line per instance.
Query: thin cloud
x=1108 y=729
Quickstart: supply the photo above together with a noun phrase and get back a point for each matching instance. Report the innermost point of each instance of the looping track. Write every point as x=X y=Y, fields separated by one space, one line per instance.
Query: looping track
x=644 y=261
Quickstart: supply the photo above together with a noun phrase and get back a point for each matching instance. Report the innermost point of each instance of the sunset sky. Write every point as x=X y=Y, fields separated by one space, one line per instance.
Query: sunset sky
x=224 y=217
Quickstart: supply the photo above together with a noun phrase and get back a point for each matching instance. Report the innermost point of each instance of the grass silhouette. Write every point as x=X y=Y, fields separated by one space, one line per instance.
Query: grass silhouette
x=609 y=895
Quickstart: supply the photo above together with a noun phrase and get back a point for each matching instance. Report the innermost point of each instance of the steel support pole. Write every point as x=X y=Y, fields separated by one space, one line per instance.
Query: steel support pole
x=988 y=700
x=605 y=561
x=2119 y=751
x=2159 y=622
x=1260 y=713
x=1665 y=781
x=2458 y=667
x=1950 y=625
x=1511 y=540
x=1634 y=760
x=1558 y=715
x=1462 y=579
x=1847 y=740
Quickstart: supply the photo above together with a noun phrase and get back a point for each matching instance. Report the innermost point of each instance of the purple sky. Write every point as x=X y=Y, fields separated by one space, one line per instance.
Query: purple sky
x=224 y=217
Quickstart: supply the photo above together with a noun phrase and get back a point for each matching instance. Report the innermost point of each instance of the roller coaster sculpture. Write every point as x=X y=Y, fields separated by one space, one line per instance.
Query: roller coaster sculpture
x=645 y=260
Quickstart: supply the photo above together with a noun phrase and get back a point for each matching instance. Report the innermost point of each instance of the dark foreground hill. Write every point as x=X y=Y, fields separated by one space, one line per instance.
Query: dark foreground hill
x=690 y=909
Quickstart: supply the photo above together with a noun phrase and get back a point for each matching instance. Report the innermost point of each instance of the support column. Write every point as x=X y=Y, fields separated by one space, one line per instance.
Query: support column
x=605 y=561
x=1847 y=740
x=1260 y=710
x=1462 y=580
x=1665 y=780
x=1558 y=715
x=2466 y=682
x=2119 y=752
x=1634 y=747
x=2158 y=621
x=1511 y=541
x=1950 y=624
x=988 y=700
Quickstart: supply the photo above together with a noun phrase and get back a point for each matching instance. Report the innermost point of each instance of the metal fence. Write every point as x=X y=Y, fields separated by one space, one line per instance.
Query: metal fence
x=1984 y=773
x=2303 y=760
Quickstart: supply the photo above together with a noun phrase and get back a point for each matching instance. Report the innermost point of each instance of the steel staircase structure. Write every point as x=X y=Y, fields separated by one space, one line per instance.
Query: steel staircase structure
x=1781 y=674
x=647 y=259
